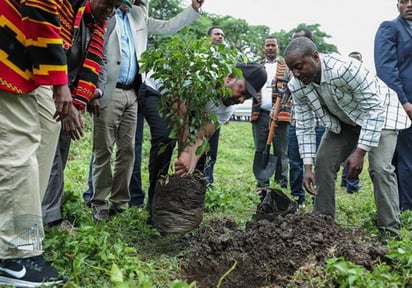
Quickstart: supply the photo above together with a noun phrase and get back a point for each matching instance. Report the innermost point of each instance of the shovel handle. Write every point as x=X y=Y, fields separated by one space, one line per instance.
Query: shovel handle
x=271 y=132
x=273 y=122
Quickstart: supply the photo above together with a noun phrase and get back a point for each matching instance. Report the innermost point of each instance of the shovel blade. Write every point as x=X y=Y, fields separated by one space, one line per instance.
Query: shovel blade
x=264 y=166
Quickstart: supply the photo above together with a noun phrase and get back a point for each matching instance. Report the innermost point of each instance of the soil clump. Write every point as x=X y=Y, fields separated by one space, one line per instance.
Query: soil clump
x=267 y=254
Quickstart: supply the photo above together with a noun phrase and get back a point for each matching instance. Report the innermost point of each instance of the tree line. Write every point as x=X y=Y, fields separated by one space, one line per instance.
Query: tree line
x=239 y=35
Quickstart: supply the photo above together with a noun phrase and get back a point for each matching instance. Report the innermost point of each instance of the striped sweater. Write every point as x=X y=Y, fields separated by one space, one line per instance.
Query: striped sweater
x=31 y=46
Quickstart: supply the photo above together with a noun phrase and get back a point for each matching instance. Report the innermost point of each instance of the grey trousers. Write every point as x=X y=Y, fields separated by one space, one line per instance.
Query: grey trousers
x=53 y=198
x=334 y=149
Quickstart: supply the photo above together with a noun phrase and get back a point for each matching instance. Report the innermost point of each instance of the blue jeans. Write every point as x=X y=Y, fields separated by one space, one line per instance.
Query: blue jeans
x=352 y=185
x=208 y=160
x=296 y=163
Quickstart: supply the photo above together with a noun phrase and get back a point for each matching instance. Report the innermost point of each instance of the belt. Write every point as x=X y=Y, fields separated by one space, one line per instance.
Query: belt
x=124 y=86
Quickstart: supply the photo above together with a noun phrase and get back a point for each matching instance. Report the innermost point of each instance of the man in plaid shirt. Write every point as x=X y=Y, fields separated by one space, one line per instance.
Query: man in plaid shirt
x=360 y=114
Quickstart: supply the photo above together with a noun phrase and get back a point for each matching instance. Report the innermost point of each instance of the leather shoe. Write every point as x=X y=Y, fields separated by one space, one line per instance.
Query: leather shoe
x=101 y=214
x=115 y=210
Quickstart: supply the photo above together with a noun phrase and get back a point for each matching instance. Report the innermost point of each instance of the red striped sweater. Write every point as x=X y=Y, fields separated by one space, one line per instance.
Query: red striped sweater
x=31 y=46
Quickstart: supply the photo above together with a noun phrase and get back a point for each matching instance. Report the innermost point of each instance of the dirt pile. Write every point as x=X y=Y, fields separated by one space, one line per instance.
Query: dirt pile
x=269 y=253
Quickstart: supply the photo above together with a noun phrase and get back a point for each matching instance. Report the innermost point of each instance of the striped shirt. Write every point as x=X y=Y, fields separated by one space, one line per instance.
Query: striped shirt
x=352 y=93
x=31 y=47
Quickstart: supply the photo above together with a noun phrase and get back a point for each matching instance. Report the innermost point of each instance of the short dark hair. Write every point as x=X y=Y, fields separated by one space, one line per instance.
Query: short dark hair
x=355 y=53
x=306 y=33
x=301 y=46
x=209 y=32
x=140 y=2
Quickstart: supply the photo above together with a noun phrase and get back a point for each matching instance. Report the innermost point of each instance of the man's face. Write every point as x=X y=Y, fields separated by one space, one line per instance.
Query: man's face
x=305 y=68
x=217 y=36
x=405 y=9
x=271 y=48
x=102 y=9
x=238 y=89
x=123 y=6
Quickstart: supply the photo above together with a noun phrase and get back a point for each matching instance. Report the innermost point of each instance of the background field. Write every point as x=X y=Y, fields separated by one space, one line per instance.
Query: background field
x=127 y=253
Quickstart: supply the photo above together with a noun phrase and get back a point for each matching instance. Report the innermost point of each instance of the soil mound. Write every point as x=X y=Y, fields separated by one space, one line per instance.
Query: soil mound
x=267 y=254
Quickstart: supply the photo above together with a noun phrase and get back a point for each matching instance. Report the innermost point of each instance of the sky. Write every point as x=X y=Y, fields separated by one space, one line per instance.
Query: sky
x=351 y=23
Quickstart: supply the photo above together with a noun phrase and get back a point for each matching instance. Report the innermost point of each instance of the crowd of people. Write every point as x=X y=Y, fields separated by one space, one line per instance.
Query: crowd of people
x=61 y=58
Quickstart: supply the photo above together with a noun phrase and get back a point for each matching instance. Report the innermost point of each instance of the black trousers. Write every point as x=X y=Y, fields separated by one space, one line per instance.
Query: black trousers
x=162 y=146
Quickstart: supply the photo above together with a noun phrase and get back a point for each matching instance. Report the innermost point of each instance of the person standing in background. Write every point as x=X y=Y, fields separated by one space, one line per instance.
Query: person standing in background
x=393 y=64
x=351 y=185
x=86 y=73
x=209 y=159
x=262 y=107
x=118 y=115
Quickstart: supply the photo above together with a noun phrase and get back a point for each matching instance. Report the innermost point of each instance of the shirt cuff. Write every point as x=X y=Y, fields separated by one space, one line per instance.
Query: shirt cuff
x=307 y=161
x=98 y=90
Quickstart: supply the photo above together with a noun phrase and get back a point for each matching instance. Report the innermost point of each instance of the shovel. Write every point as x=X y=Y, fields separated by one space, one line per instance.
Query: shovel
x=264 y=163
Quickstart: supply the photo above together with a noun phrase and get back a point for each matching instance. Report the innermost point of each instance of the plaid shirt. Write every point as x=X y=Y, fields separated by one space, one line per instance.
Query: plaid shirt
x=363 y=98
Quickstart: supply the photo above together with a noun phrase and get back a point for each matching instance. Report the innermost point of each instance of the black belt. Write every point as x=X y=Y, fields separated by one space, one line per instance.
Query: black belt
x=124 y=86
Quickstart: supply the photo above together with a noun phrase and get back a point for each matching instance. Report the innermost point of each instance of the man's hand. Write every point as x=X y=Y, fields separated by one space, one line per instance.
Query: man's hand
x=62 y=100
x=196 y=4
x=73 y=125
x=408 y=108
x=186 y=162
x=355 y=163
x=94 y=104
x=309 y=180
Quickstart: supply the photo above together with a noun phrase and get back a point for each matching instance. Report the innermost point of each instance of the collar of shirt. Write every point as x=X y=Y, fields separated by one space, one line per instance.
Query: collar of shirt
x=267 y=61
x=121 y=14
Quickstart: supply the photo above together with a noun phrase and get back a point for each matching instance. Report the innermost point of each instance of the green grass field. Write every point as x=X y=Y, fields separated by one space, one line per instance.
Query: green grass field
x=127 y=253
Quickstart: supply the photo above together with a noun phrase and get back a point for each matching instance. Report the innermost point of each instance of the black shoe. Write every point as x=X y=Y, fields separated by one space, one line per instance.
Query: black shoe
x=385 y=235
x=113 y=211
x=29 y=272
x=101 y=214
x=356 y=190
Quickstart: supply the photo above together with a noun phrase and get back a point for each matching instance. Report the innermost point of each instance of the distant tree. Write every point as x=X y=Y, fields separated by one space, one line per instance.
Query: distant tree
x=239 y=35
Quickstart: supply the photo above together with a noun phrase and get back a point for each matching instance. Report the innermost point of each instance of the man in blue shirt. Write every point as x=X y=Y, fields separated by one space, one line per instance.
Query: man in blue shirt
x=116 y=124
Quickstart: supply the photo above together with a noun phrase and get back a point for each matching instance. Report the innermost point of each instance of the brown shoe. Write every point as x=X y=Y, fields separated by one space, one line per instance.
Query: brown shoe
x=101 y=214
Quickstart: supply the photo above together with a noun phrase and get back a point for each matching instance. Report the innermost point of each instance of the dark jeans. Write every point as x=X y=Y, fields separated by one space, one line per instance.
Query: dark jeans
x=296 y=163
x=403 y=164
x=260 y=129
x=352 y=185
x=208 y=160
x=135 y=187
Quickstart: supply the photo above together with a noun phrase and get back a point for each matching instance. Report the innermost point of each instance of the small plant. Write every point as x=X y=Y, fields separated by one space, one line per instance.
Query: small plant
x=192 y=75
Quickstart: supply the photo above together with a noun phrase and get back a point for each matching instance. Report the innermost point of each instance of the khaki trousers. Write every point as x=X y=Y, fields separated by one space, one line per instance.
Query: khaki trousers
x=116 y=125
x=28 y=139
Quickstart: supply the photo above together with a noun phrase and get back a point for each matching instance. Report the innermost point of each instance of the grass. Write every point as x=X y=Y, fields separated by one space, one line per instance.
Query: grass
x=127 y=253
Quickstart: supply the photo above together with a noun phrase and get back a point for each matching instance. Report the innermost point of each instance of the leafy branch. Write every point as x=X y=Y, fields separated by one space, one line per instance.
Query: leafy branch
x=192 y=75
